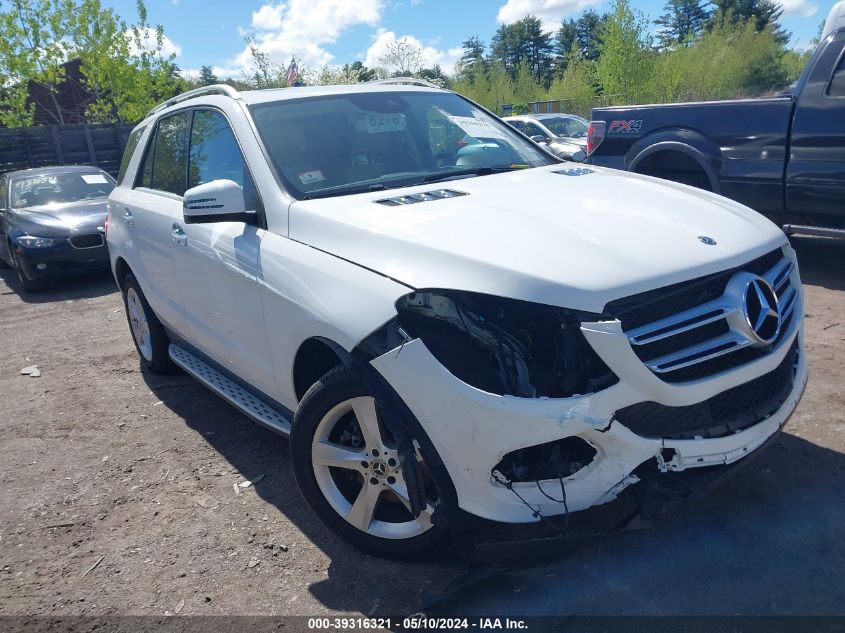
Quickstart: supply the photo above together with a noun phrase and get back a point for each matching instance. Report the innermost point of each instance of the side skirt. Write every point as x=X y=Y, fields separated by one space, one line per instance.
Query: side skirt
x=240 y=397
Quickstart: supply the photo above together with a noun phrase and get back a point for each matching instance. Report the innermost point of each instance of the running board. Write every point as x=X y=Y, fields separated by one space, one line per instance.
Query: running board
x=250 y=404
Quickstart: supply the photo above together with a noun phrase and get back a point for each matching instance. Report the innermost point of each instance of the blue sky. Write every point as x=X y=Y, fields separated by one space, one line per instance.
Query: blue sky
x=211 y=32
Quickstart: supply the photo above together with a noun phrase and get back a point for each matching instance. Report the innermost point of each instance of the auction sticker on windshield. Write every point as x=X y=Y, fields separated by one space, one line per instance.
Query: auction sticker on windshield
x=385 y=123
x=94 y=179
x=476 y=128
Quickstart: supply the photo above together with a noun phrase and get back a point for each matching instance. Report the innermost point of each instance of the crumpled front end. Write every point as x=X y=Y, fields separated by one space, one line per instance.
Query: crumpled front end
x=695 y=389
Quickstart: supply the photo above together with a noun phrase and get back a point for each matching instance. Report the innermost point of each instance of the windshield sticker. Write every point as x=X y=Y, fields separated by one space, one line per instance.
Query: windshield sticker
x=94 y=179
x=476 y=128
x=377 y=123
x=310 y=177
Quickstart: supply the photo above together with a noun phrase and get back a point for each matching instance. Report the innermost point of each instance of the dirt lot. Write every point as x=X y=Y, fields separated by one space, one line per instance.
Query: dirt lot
x=117 y=497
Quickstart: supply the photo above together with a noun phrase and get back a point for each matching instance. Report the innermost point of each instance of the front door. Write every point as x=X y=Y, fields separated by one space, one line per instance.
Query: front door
x=816 y=171
x=218 y=264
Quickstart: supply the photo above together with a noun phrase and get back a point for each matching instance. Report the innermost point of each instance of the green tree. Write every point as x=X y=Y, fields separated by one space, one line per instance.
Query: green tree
x=761 y=13
x=207 y=76
x=682 y=21
x=565 y=38
x=588 y=30
x=471 y=64
x=524 y=41
x=624 y=66
x=123 y=67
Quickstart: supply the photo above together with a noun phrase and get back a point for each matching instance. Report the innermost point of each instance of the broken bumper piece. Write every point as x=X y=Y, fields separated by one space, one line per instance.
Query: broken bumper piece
x=473 y=430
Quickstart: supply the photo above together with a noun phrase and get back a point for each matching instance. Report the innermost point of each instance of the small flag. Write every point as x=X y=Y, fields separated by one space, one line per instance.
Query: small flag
x=292 y=73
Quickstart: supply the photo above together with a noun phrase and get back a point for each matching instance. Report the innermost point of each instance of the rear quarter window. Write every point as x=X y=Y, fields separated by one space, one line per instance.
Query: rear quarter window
x=131 y=145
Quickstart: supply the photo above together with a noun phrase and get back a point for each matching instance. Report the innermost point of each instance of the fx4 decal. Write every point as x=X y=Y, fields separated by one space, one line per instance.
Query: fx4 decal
x=625 y=127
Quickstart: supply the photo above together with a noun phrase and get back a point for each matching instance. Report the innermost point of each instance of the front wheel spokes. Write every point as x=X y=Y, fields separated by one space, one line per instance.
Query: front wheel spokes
x=401 y=491
x=326 y=453
x=367 y=416
x=363 y=510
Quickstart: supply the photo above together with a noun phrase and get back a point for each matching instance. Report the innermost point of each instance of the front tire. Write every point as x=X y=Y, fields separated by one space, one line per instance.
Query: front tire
x=147 y=331
x=28 y=285
x=347 y=468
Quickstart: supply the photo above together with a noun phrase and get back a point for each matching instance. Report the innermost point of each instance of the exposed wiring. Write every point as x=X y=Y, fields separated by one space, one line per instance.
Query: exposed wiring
x=535 y=512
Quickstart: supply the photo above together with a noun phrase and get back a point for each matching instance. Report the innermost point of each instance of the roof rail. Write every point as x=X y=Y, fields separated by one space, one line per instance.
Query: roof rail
x=410 y=81
x=215 y=89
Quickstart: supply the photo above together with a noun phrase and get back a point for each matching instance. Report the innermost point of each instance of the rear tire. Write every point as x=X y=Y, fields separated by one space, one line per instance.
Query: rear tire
x=148 y=333
x=348 y=471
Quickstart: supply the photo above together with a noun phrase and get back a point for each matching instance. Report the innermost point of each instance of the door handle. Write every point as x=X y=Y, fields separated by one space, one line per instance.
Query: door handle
x=128 y=217
x=178 y=235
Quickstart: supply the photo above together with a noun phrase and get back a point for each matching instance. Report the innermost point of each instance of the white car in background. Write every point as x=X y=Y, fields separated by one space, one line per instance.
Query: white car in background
x=564 y=134
x=445 y=331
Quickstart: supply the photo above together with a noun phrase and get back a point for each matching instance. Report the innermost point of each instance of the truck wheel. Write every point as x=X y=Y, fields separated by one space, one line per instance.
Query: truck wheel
x=147 y=331
x=348 y=470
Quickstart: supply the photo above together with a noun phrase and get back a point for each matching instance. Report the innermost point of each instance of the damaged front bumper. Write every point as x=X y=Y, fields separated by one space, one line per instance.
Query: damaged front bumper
x=473 y=430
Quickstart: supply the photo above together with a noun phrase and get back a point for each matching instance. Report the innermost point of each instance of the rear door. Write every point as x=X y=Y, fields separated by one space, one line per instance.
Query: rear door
x=218 y=263
x=816 y=170
x=148 y=211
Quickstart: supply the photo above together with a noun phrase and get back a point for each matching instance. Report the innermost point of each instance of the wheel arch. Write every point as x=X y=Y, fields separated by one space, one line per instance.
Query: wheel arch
x=121 y=269
x=705 y=153
x=316 y=356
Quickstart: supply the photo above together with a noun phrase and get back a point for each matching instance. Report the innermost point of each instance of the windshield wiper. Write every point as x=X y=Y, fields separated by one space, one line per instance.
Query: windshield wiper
x=473 y=171
x=340 y=191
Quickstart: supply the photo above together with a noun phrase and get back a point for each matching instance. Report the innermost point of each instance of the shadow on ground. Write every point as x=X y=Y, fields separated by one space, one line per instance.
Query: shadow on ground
x=821 y=261
x=64 y=289
x=767 y=542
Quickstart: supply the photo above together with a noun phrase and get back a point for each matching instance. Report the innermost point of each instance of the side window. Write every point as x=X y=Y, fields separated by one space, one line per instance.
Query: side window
x=4 y=193
x=532 y=129
x=215 y=155
x=171 y=153
x=131 y=144
x=519 y=125
x=837 y=84
x=145 y=173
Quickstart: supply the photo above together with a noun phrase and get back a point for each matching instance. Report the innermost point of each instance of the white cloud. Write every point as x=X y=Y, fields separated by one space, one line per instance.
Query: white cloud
x=148 y=42
x=302 y=28
x=430 y=55
x=803 y=8
x=551 y=12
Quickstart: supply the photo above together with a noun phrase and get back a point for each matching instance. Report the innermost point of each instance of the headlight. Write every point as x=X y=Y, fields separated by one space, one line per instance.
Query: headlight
x=29 y=241
x=505 y=346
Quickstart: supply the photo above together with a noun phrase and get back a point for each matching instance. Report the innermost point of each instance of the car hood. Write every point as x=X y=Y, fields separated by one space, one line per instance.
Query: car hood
x=566 y=235
x=56 y=220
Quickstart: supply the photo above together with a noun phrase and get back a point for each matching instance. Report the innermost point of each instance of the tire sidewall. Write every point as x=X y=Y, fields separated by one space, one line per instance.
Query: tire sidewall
x=341 y=384
x=160 y=362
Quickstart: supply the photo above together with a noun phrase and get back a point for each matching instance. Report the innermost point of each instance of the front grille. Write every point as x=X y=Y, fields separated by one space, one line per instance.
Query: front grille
x=723 y=414
x=689 y=330
x=90 y=240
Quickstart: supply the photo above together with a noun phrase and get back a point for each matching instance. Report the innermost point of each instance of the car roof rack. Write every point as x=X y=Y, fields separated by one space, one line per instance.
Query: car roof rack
x=409 y=81
x=214 y=89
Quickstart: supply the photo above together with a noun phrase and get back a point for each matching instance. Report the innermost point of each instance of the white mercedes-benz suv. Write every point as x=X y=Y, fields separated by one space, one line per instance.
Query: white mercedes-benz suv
x=443 y=328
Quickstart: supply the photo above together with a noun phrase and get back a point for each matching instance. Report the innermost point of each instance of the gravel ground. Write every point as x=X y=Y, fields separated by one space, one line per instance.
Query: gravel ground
x=117 y=496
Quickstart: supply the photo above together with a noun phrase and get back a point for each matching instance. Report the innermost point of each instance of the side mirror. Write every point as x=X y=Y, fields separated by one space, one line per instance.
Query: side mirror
x=216 y=201
x=538 y=138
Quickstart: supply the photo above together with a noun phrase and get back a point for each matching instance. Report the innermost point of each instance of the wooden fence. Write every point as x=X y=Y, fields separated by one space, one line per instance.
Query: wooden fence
x=45 y=145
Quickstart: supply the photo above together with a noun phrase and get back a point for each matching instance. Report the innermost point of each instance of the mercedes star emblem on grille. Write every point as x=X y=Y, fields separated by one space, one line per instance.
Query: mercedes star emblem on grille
x=760 y=305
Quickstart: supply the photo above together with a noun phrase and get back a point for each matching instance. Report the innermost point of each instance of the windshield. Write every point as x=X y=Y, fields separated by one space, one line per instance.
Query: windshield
x=336 y=145
x=574 y=127
x=43 y=189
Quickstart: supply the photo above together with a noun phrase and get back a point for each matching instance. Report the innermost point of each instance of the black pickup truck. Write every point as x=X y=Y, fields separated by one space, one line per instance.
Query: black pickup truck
x=783 y=156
